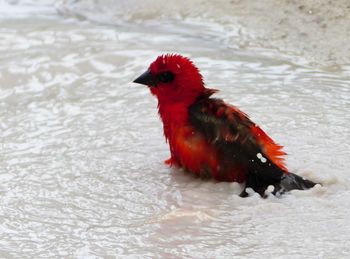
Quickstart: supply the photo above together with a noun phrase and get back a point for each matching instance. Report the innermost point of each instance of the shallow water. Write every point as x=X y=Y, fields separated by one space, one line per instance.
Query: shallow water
x=81 y=158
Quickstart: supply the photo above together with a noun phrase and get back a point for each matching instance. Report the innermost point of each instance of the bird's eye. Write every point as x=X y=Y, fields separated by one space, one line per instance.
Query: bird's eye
x=166 y=77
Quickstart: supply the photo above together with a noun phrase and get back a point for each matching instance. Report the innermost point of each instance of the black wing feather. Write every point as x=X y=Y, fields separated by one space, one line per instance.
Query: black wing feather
x=229 y=132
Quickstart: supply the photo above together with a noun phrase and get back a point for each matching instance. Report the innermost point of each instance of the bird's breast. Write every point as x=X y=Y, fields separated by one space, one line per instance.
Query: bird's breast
x=192 y=151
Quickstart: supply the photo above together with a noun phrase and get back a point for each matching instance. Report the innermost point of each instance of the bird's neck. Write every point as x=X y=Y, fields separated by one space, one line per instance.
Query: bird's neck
x=173 y=115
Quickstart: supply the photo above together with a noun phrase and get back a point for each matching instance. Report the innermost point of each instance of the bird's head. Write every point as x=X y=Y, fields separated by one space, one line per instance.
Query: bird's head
x=173 y=78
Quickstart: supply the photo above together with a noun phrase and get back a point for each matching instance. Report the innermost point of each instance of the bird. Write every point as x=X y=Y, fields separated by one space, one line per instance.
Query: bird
x=212 y=139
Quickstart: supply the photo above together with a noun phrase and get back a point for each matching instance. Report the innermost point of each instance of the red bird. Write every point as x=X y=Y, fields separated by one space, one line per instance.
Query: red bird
x=210 y=138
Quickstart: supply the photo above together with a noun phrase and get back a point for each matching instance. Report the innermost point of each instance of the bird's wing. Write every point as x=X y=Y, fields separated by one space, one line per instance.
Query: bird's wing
x=237 y=138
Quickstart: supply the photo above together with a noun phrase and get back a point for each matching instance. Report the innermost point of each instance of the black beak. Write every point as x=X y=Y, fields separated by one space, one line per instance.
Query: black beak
x=146 y=79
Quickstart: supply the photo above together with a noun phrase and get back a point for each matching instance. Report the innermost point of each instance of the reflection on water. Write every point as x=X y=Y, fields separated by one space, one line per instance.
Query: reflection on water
x=82 y=148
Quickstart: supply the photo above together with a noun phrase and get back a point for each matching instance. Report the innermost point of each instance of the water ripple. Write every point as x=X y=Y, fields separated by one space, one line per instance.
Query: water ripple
x=81 y=149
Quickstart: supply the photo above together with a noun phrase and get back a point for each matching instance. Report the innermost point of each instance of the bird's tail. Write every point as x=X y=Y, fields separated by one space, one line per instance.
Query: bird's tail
x=292 y=181
x=282 y=182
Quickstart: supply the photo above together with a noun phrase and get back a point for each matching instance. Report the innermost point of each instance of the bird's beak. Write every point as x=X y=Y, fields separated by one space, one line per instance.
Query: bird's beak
x=146 y=79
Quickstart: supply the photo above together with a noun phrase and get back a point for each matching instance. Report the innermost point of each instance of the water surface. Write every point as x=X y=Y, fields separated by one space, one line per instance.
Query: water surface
x=82 y=150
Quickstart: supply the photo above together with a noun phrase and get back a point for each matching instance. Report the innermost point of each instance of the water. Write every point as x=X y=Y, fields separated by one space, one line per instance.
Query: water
x=81 y=157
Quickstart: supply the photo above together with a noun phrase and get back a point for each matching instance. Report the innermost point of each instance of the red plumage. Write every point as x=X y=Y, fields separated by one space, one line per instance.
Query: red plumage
x=210 y=138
